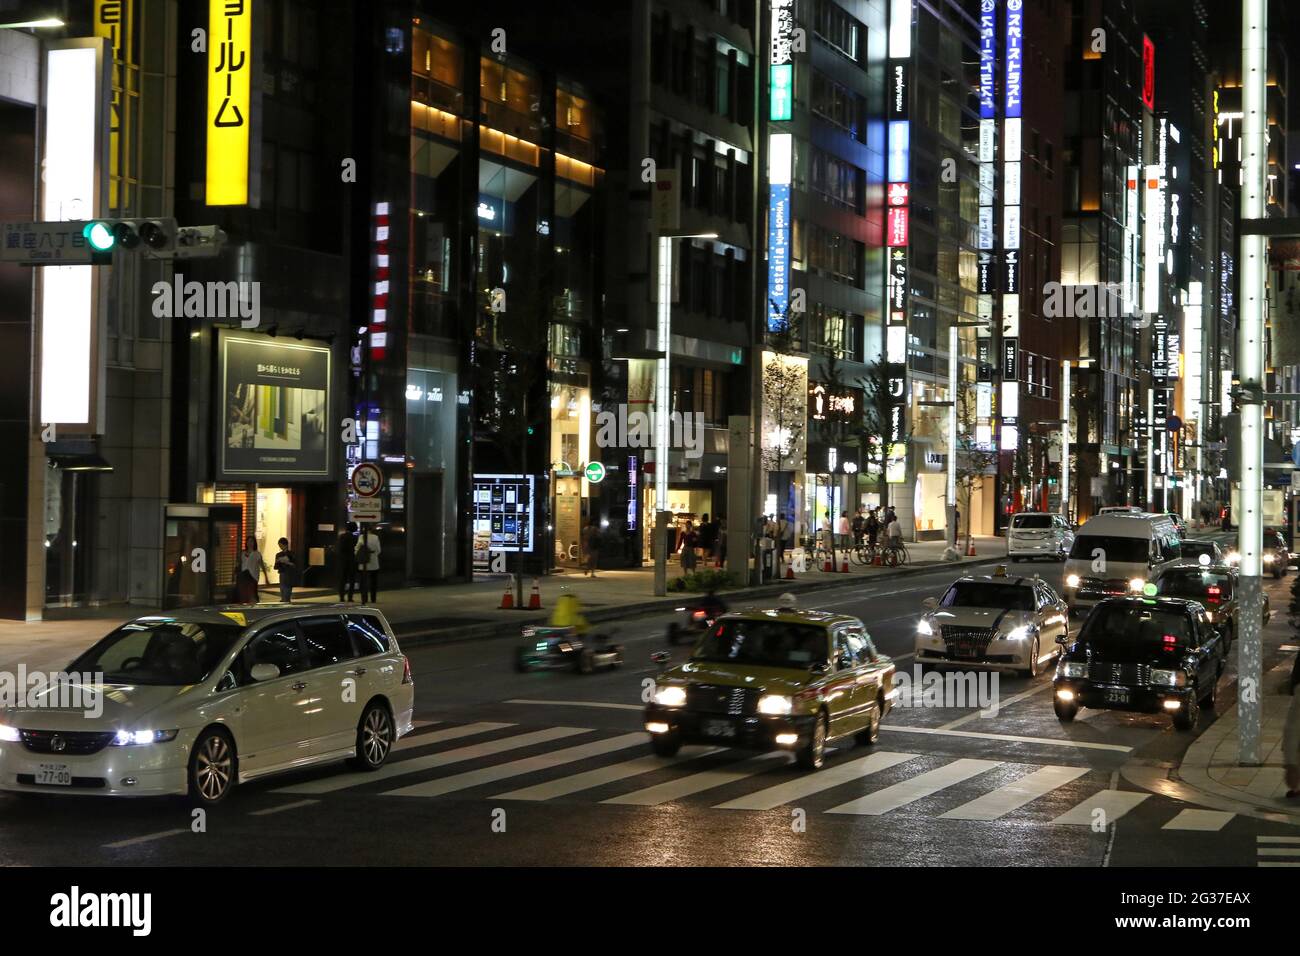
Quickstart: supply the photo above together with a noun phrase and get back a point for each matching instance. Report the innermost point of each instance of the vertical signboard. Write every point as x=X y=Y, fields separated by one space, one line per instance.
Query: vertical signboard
x=898 y=175
x=1148 y=72
x=230 y=66
x=75 y=159
x=988 y=57
x=112 y=21
x=780 y=163
x=1015 y=57
x=782 y=66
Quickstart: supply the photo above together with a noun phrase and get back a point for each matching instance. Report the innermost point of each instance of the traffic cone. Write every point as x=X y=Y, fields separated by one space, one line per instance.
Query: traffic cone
x=877 y=562
x=789 y=572
x=535 y=599
x=970 y=550
x=507 y=599
x=844 y=565
x=828 y=566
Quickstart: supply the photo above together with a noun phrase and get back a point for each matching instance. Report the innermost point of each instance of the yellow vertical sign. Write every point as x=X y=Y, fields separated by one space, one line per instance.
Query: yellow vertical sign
x=113 y=21
x=230 y=64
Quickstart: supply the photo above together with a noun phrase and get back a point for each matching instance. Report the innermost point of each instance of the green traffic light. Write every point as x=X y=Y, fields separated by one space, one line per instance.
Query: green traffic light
x=99 y=235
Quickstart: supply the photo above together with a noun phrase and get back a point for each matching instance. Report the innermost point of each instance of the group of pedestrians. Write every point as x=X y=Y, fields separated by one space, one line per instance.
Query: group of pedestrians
x=709 y=539
x=358 y=568
x=868 y=526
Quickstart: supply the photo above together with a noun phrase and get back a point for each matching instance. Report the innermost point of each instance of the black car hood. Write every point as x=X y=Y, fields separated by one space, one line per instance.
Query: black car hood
x=1135 y=654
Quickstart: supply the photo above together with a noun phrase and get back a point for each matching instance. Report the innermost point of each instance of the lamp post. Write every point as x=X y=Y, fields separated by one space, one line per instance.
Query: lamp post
x=663 y=344
x=950 y=498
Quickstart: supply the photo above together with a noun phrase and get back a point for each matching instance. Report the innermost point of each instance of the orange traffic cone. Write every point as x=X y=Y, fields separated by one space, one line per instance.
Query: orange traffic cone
x=507 y=599
x=535 y=599
x=970 y=550
x=876 y=562
x=789 y=572
x=844 y=565
x=828 y=566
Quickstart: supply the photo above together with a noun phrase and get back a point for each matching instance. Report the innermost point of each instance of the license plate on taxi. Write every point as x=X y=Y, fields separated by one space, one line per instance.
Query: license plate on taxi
x=1117 y=695
x=53 y=775
x=719 y=728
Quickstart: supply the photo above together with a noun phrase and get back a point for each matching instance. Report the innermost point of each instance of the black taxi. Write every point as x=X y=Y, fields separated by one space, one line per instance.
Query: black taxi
x=1146 y=654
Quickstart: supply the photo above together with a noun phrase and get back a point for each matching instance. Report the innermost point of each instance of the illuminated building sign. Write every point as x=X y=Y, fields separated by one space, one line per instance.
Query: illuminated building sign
x=379 y=289
x=985 y=265
x=1015 y=57
x=897 y=286
x=780 y=169
x=898 y=89
x=1011 y=272
x=1010 y=227
x=230 y=63
x=782 y=63
x=896 y=227
x=113 y=21
x=898 y=151
x=988 y=140
x=898 y=194
x=988 y=57
x=1153 y=251
x=1148 y=72
x=985 y=227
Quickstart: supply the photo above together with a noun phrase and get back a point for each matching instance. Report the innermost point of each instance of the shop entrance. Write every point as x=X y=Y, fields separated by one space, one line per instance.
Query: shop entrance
x=686 y=504
x=215 y=530
x=274 y=521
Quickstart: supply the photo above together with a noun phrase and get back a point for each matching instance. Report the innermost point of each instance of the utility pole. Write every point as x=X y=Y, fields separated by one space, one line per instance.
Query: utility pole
x=1250 y=373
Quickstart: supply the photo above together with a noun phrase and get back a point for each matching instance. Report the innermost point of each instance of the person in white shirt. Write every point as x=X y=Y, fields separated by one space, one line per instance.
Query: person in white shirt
x=894 y=531
x=367 y=554
x=251 y=567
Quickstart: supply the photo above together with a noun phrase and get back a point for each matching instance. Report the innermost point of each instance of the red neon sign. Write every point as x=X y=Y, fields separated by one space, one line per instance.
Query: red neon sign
x=1148 y=72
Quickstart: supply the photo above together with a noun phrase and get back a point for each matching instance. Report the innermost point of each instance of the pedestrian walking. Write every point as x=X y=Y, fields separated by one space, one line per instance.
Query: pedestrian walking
x=859 y=528
x=286 y=568
x=720 y=542
x=368 y=550
x=690 y=539
x=347 y=550
x=843 y=529
x=591 y=547
x=251 y=568
x=894 y=530
x=767 y=549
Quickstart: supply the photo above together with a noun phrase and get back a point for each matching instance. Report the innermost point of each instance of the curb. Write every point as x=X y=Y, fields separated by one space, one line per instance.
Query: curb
x=419 y=635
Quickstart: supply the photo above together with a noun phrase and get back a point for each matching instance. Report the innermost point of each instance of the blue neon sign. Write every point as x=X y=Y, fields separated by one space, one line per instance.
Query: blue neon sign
x=988 y=57
x=1015 y=57
x=778 y=253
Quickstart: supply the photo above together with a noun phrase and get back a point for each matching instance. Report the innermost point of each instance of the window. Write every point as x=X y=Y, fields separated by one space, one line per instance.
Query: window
x=836 y=27
x=368 y=635
x=836 y=181
x=159 y=652
x=839 y=105
x=277 y=645
x=326 y=640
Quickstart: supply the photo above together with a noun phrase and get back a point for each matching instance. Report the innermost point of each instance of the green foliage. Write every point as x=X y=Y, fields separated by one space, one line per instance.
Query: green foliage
x=706 y=579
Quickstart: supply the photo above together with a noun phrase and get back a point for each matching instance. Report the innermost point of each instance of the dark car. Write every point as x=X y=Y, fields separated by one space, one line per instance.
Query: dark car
x=1274 y=553
x=1145 y=654
x=1214 y=587
x=1194 y=548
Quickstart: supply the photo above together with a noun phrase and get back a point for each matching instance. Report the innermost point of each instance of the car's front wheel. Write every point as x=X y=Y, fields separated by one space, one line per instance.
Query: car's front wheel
x=812 y=755
x=871 y=733
x=1033 y=670
x=1189 y=715
x=665 y=745
x=212 y=768
x=374 y=738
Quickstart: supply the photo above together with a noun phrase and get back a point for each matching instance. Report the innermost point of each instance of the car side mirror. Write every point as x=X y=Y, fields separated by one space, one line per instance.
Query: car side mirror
x=821 y=667
x=1061 y=639
x=264 y=672
x=930 y=603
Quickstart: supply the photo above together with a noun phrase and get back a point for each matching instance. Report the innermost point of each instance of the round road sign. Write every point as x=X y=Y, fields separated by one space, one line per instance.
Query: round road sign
x=594 y=471
x=367 y=479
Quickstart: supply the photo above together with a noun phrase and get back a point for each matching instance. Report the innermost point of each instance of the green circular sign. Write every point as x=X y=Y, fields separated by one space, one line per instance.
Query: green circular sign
x=594 y=471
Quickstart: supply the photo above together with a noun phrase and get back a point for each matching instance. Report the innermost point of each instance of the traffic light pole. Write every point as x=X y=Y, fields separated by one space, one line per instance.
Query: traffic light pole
x=1250 y=373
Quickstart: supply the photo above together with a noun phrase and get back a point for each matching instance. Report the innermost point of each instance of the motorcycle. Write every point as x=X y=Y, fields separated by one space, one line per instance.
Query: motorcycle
x=560 y=648
x=695 y=621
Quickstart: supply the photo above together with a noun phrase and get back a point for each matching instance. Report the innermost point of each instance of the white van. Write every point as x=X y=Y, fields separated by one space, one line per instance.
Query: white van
x=1116 y=554
x=1036 y=534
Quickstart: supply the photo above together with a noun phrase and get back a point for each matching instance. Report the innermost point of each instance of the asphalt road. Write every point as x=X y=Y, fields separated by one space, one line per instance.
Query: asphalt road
x=553 y=768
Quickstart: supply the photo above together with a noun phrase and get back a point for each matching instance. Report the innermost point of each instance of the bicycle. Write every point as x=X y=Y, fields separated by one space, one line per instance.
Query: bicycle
x=895 y=555
x=864 y=553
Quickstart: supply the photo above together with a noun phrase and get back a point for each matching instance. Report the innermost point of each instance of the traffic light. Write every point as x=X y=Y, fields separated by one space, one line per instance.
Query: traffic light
x=154 y=237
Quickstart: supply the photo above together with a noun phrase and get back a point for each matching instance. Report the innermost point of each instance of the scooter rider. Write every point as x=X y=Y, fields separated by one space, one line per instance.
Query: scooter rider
x=568 y=613
x=712 y=605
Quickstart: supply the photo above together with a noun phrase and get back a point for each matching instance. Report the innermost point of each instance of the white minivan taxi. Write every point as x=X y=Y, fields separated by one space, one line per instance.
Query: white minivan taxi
x=193 y=702
x=1116 y=554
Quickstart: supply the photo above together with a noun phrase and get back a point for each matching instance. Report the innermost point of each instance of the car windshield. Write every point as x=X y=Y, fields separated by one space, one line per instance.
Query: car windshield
x=1112 y=548
x=764 y=643
x=1013 y=597
x=1214 y=586
x=1122 y=630
x=1194 y=549
x=158 y=651
x=1031 y=521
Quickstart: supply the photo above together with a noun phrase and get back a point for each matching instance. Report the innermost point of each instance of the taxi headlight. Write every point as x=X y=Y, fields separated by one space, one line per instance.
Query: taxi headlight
x=775 y=705
x=9 y=735
x=1017 y=633
x=1169 y=678
x=670 y=696
x=1071 y=580
x=1137 y=584
x=923 y=628
x=1074 y=669
x=138 y=738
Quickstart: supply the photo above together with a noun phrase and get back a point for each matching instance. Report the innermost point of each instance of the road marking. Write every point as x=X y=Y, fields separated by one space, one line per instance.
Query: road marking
x=1277 y=839
x=577 y=703
x=917 y=788
x=696 y=782
x=1013 y=738
x=417 y=764
x=451 y=733
x=1113 y=803
x=280 y=809
x=1002 y=704
x=516 y=768
x=144 y=839
x=824 y=779
x=603 y=775
x=998 y=803
x=1205 y=820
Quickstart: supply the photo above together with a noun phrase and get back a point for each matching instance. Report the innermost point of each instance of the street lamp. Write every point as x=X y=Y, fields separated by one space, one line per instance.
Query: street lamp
x=663 y=344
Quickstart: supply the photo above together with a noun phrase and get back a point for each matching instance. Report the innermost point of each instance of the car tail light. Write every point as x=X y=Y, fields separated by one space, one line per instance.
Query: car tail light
x=698 y=616
x=1213 y=593
x=406 y=671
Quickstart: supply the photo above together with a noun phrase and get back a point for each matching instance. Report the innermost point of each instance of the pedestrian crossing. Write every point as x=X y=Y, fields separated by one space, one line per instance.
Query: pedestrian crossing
x=514 y=763
x=1275 y=851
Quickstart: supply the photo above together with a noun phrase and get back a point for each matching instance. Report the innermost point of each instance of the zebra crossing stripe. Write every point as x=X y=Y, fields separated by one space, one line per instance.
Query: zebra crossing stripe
x=451 y=733
x=825 y=779
x=603 y=775
x=696 y=782
x=429 y=762
x=1012 y=796
x=516 y=768
x=1204 y=820
x=916 y=788
x=1113 y=803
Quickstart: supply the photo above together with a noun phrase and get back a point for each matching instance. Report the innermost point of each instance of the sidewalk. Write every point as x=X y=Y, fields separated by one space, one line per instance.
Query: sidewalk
x=1210 y=764
x=465 y=611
